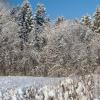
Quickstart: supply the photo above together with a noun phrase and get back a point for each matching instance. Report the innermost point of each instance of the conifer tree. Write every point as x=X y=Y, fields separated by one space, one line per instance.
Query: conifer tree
x=40 y=15
x=60 y=19
x=86 y=21
x=25 y=20
x=14 y=12
x=96 y=21
x=41 y=21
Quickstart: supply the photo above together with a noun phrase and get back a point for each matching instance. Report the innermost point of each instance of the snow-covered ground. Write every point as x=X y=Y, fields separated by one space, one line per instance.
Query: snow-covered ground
x=26 y=81
x=40 y=88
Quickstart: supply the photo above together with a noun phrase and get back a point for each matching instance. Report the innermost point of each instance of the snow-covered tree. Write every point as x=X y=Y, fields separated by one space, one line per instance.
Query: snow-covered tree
x=8 y=39
x=25 y=21
x=59 y=20
x=86 y=21
x=14 y=12
x=96 y=21
x=49 y=49
x=40 y=15
x=41 y=22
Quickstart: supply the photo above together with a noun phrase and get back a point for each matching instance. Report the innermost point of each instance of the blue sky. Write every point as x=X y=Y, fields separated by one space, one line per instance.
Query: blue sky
x=70 y=9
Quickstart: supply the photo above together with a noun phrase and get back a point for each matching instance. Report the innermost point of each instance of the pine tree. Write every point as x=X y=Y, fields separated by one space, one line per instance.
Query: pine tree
x=14 y=13
x=25 y=20
x=96 y=21
x=40 y=15
x=41 y=21
x=86 y=21
x=60 y=19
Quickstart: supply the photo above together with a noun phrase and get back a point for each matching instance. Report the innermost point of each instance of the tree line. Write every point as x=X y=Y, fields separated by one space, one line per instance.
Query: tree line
x=31 y=44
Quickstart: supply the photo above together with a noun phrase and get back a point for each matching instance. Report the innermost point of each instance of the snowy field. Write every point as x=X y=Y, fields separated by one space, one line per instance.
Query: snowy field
x=40 y=88
x=20 y=82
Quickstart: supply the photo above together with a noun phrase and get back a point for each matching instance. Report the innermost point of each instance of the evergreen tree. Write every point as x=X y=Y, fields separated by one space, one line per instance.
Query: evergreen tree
x=40 y=15
x=25 y=20
x=41 y=21
x=14 y=13
x=96 y=21
x=86 y=21
x=60 y=19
